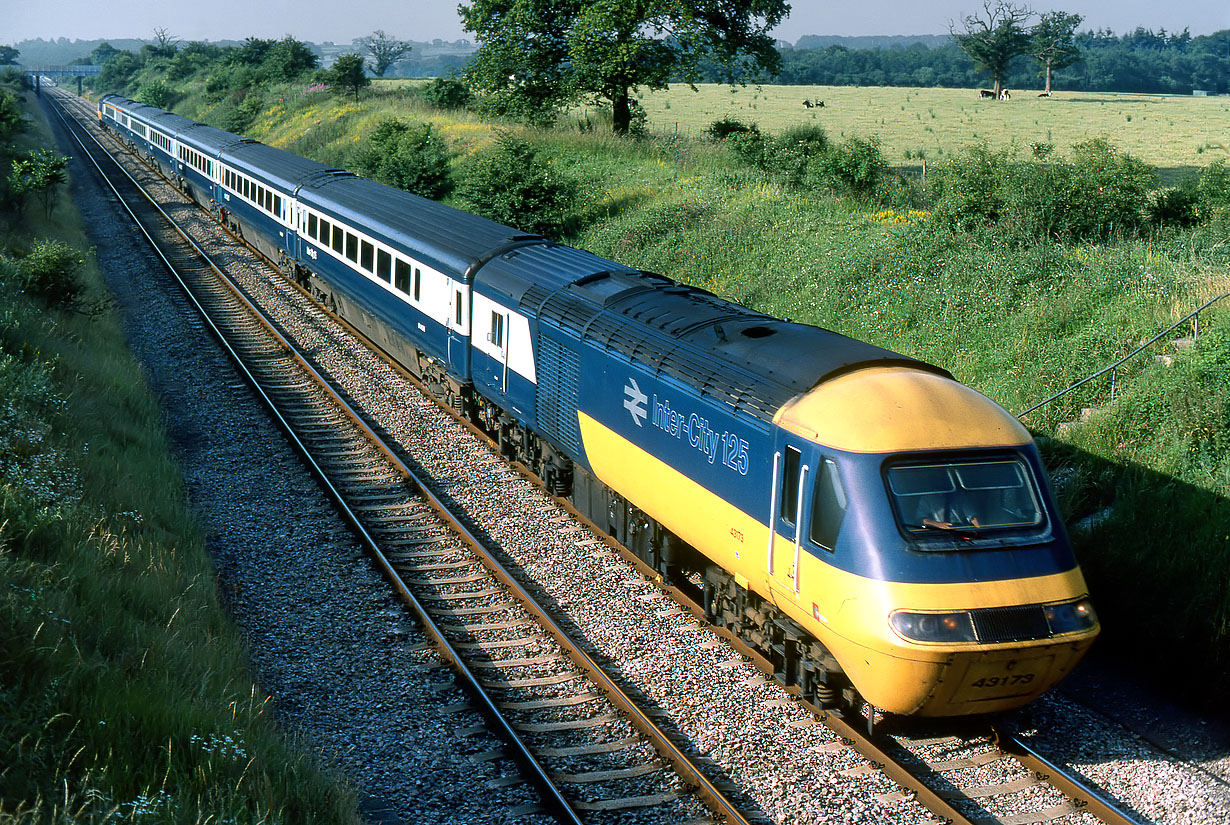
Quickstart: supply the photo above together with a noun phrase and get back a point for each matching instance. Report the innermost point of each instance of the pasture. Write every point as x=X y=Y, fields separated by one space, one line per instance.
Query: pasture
x=1170 y=132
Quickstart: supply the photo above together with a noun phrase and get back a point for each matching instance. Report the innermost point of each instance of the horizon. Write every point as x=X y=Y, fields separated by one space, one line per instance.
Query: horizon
x=429 y=20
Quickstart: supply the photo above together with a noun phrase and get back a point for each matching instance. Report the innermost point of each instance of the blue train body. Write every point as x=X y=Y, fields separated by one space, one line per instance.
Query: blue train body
x=874 y=527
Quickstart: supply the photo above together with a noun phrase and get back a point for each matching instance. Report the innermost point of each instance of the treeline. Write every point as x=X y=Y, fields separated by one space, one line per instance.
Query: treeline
x=1142 y=61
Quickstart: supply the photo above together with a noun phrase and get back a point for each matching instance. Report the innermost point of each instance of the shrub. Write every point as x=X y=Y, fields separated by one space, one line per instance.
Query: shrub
x=1175 y=206
x=1213 y=187
x=727 y=126
x=447 y=93
x=243 y=114
x=51 y=272
x=791 y=154
x=511 y=183
x=156 y=93
x=411 y=157
x=856 y=167
x=1097 y=194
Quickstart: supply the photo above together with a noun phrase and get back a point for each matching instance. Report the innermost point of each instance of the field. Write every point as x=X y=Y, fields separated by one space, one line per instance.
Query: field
x=1167 y=131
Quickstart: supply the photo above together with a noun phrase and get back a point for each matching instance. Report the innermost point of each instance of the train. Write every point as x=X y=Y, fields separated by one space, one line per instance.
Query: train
x=880 y=532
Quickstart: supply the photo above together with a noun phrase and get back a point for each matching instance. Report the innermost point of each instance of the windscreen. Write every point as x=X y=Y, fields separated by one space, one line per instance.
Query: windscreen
x=965 y=495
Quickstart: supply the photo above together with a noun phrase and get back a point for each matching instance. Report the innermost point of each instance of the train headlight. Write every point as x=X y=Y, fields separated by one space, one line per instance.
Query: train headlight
x=933 y=627
x=1070 y=617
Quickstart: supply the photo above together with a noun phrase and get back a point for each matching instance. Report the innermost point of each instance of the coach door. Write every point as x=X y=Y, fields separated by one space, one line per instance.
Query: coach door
x=458 y=328
x=790 y=476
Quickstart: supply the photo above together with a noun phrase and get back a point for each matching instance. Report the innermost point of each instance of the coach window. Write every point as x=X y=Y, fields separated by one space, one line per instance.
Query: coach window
x=828 y=506
x=367 y=255
x=277 y=206
x=418 y=282
x=384 y=265
x=460 y=307
x=352 y=247
x=312 y=228
x=497 y=328
x=339 y=239
x=401 y=275
x=323 y=237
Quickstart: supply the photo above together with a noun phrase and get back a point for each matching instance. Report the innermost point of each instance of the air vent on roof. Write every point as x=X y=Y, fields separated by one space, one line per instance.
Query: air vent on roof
x=757 y=332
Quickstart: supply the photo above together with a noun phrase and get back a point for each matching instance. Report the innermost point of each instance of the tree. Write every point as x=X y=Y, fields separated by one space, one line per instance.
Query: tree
x=385 y=51
x=1052 y=42
x=535 y=55
x=995 y=38
x=165 y=44
x=347 y=74
x=8 y=56
x=102 y=53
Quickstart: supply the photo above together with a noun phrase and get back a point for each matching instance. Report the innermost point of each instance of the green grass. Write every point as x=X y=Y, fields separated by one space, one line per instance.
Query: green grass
x=124 y=688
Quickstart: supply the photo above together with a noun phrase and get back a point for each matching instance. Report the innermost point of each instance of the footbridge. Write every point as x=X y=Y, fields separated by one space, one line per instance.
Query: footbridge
x=55 y=73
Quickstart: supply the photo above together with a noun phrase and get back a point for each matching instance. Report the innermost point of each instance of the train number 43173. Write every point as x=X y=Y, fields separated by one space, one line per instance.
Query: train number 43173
x=1003 y=681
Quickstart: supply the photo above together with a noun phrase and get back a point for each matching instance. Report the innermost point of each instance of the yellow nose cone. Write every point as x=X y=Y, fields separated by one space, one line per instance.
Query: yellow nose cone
x=885 y=409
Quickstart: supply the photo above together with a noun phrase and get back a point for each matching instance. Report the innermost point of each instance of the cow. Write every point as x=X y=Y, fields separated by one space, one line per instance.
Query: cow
x=986 y=94
x=819 y=104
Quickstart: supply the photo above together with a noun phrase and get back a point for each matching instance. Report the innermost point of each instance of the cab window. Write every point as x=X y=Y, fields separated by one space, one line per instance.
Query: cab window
x=828 y=508
x=965 y=495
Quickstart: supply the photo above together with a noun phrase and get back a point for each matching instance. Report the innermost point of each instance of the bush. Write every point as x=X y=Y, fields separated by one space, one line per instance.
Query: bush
x=856 y=167
x=1175 y=206
x=447 y=93
x=1097 y=194
x=511 y=183
x=413 y=158
x=792 y=154
x=727 y=126
x=1213 y=188
x=52 y=273
x=156 y=93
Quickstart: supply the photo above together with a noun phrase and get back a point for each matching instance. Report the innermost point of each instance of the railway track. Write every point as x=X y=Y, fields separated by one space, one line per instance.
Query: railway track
x=577 y=736
x=599 y=751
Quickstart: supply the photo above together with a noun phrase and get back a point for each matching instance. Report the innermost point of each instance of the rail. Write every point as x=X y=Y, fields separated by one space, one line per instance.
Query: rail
x=1193 y=316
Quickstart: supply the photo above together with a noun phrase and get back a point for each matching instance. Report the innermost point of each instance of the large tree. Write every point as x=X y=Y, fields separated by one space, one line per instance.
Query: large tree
x=385 y=50
x=994 y=38
x=8 y=56
x=535 y=55
x=1052 y=42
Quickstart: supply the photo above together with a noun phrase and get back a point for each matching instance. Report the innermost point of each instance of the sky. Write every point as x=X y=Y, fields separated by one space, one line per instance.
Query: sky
x=341 y=21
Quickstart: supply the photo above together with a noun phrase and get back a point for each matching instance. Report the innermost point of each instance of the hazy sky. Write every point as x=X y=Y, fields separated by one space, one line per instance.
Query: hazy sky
x=343 y=20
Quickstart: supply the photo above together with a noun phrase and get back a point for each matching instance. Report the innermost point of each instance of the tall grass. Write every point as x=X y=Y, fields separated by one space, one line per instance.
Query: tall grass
x=124 y=688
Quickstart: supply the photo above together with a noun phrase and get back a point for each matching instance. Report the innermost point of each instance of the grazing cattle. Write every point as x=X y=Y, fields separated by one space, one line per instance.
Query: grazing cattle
x=819 y=104
x=1004 y=95
x=1044 y=94
x=807 y=104
x=986 y=94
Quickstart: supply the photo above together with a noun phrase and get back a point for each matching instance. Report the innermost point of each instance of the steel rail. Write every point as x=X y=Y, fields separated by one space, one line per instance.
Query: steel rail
x=1083 y=796
x=559 y=806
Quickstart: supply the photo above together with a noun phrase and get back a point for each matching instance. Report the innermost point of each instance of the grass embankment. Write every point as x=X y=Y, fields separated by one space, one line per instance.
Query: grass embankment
x=124 y=688
x=1016 y=321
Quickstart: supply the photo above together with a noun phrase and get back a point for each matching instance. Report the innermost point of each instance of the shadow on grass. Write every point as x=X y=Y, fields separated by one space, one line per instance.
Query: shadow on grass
x=1155 y=551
